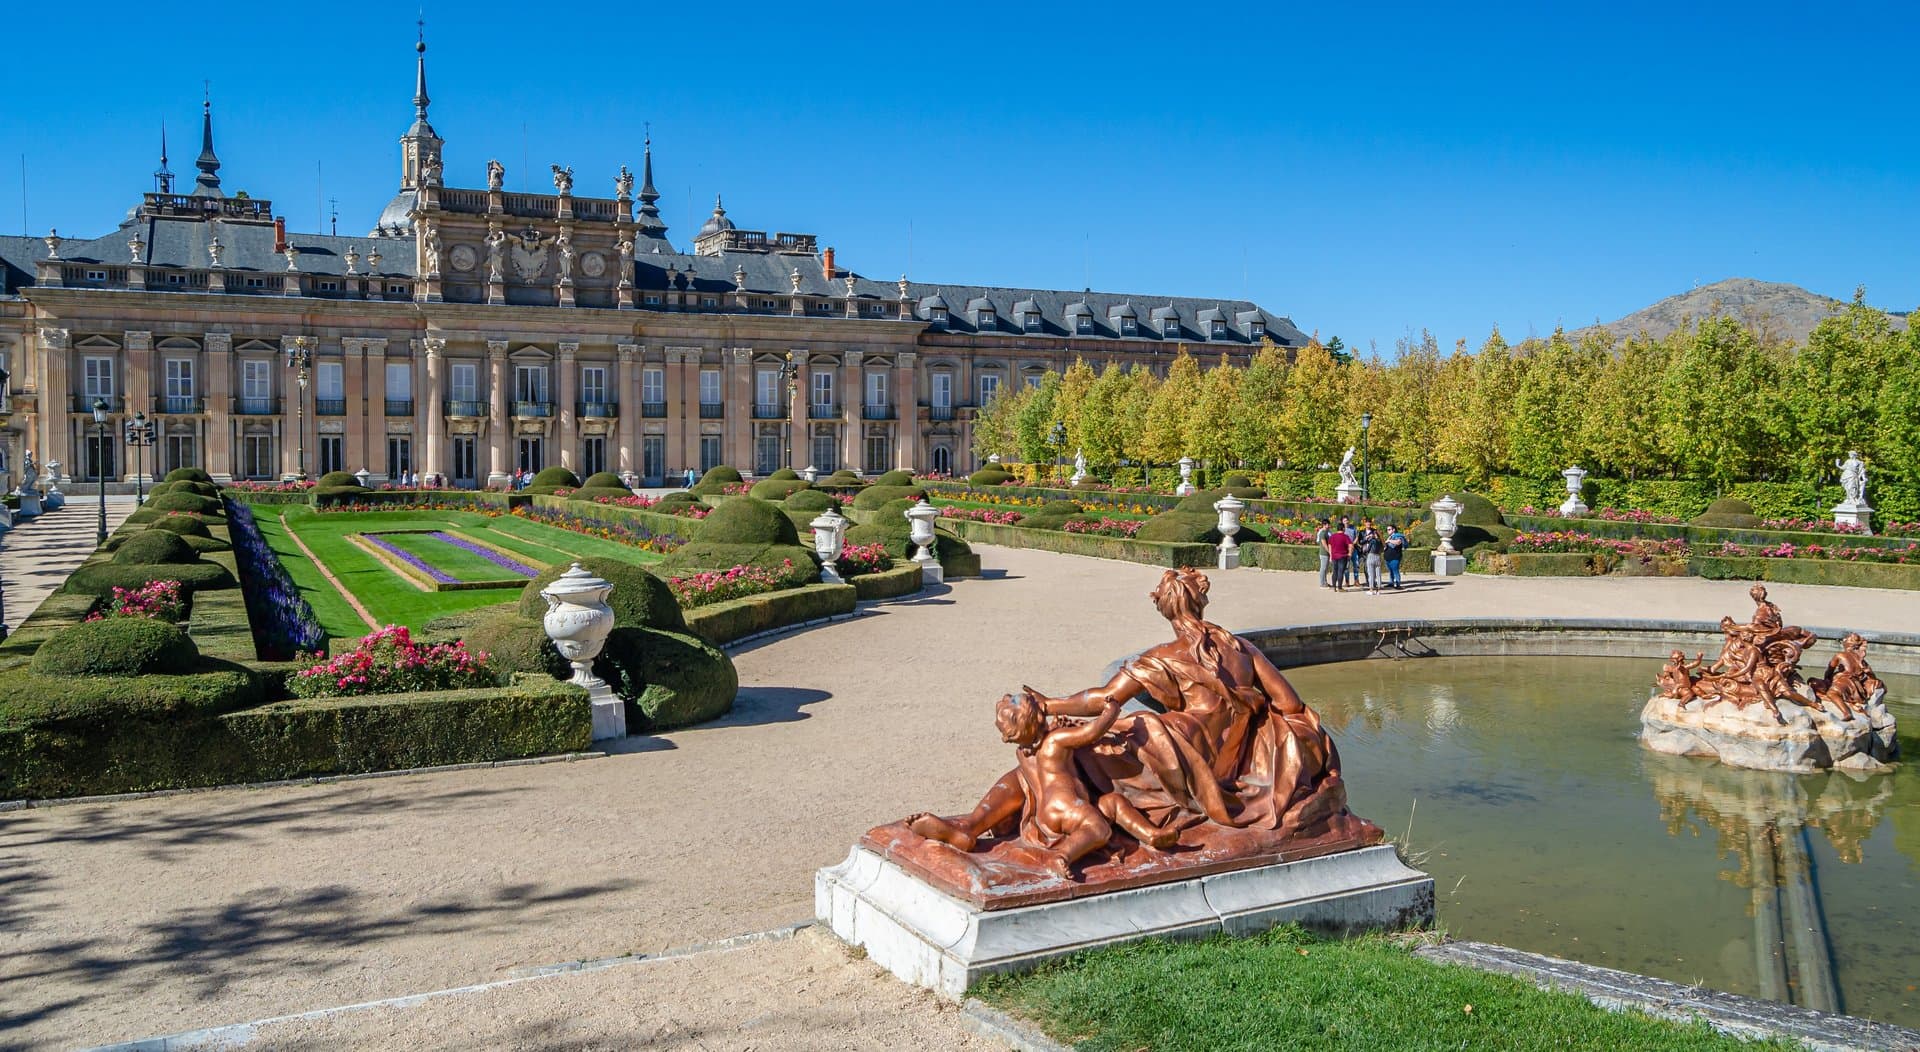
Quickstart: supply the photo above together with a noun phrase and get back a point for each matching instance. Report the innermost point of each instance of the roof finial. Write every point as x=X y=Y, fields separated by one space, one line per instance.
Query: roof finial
x=207 y=183
x=648 y=195
x=420 y=99
x=164 y=177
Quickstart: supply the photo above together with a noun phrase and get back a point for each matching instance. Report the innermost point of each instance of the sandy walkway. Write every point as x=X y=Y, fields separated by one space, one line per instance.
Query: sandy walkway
x=140 y=918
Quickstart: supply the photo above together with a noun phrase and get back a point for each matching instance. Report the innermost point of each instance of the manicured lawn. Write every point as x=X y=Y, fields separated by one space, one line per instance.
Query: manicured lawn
x=1289 y=990
x=390 y=598
x=451 y=559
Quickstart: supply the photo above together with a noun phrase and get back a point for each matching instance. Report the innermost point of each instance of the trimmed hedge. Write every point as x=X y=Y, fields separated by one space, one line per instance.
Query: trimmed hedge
x=175 y=500
x=887 y=584
x=1728 y=513
x=810 y=501
x=640 y=599
x=101 y=578
x=874 y=496
x=716 y=479
x=605 y=480
x=82 y=756
x=748 y=520
x=1904 y=576
x=779 y=489
x=668 y=679
x=188 y=475
x=783 y=475
x=338 y=478
x=117 y=646
x=989 y=476
x=555 y=476
x=594 y=493
x=30 y=699
x=896 y=477
x=888 y=525
x=1539 y=564
x=1126 y=549
x=181 y=525
x=153 y=546
x=722 y=623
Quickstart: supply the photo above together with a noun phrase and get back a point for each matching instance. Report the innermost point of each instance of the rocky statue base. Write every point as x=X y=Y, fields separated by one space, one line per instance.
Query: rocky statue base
x=1813 y=738
x=945 y=944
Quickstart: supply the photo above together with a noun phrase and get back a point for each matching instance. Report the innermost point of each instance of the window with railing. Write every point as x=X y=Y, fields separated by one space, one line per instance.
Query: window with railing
x=399 y=407
x=465 y=385
x=822 y=403
x=97 y=380
x=256 y=387
x=179 y=396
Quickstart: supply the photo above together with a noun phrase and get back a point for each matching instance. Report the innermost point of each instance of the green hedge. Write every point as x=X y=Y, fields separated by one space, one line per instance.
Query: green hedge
x=85 y=756
x=1153 y=553
x=722 y=623
x=1904 y=576
x=1539 y=564
x=1696 y=536
x=888 y=584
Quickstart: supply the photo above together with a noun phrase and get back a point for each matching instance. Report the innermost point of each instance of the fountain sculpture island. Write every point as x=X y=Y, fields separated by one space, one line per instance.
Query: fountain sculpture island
x=1752 y=708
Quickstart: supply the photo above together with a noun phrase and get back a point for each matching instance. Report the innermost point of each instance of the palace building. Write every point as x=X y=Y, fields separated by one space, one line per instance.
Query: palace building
x=473 y=332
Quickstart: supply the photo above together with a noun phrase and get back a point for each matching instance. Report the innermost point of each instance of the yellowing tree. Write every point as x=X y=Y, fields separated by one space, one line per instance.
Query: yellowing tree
x=1312 y=422
x=1411 y=411
x=1256 y=414
x=1167 y=415
x=1209 y=422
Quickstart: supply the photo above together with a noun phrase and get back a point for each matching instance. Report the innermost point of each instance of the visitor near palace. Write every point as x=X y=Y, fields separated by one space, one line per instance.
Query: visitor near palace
x=1369 y=546
x=1396 y=547
x=1340 y=550
x=1320 y=540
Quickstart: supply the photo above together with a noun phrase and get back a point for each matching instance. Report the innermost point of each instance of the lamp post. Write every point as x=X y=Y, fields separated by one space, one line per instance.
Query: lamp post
x=1057 y=439
x=140 y=435
x=100 y=463
x=1366 y=454
x=791 y=374
x=300 y=358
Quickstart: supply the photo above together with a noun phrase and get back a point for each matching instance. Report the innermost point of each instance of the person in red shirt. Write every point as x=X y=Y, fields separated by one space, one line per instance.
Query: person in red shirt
x=1339 y=546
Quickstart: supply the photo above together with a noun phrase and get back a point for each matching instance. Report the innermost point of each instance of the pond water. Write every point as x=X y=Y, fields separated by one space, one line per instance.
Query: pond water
x=1520 y=785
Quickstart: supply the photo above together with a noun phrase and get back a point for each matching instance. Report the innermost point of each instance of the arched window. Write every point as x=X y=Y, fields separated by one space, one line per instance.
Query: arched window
x=942 y=461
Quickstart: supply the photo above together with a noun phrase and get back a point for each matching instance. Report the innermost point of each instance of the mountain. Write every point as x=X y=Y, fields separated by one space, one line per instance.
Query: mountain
x=1778 y=310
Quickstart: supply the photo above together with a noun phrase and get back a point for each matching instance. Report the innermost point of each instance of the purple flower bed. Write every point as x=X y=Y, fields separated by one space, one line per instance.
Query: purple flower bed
x=282 y=622
x=410 y=559
x=486 y=553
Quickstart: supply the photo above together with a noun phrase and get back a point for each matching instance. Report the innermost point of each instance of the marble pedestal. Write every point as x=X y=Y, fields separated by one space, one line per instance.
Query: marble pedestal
x=1230 y=558
x=933 y=940
x=1573 y=508
x=931 y=571
x=1452 y=564
x=609 y=712
x=1350 y=493
x=1854 y=513
x=29 y=502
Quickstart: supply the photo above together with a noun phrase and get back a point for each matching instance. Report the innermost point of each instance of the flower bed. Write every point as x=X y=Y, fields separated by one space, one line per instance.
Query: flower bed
x=646 y=503
x=719 y=586
x=606 y=529
x=1908 y=553
x=388 y=661
x=499 y=559
x=857 y=559
x=1811 y=526
x=432 y=573
x=155 y=600
x=301 y=486
x=998 y=518
x=282 y=622
x=1104 y=527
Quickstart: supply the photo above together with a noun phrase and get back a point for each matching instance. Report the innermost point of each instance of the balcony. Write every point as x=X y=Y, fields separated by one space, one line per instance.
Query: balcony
x=329 y=407
x=939 y=412
x=653 y=410
x=533 y=409
x=466 y=407
x=597 y=410
x=823 y=411
x=84 y=403
x=182 y=404
x=247 y=405
x=399 y=407
x=876 y=412
x=713 y=410
x=769 y=411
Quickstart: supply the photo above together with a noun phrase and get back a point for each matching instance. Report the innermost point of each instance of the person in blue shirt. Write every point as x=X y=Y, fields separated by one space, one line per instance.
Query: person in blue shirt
x=1396 y=546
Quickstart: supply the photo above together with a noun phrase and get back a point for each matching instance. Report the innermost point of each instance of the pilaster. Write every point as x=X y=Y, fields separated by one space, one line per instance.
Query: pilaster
x=434 y=457
x=376 y=414
x=853 y=395
x=218 y=388
x=674 y=391
x=740 y=409
x=56 y=401
x=627 y=385
x=353 y=369
x=800 y=399
x=569 y=392
x=138 y=386
x=499 y=423
x=906 y=404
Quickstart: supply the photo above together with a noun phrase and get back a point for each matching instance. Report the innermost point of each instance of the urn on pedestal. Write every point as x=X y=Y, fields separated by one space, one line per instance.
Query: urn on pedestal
x=829 y=537
x=1573 y=507
x=920 y=531
x=1229 y=508
x=1185 y=488
x=1446 y=520
x=578 y=620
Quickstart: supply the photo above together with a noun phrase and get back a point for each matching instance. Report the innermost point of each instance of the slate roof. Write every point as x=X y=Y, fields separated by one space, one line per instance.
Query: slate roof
x=182 y=243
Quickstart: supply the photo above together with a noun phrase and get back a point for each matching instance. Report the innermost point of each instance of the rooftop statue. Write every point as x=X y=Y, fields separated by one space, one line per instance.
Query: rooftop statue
x=1231 y=769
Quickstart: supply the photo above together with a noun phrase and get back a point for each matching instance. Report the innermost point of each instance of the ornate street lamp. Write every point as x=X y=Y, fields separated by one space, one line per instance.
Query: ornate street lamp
x=1366 y=454
x=100 y=463
x=1057 y=440
x=140 y=435
x=790 y=372
x=300 y=358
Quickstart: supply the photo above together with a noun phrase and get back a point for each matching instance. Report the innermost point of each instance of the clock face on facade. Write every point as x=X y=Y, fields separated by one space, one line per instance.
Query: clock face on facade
x=593 y=264
x=463 y=257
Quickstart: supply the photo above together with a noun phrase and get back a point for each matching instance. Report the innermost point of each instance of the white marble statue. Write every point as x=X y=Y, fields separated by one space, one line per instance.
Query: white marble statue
x=496 y=175
x=626 y=258
x=1079 y=465
x=135 y=246
x=795 y=279
x=496 y=256
x=1347 y=477
x=623 y=183
x=1853 y=477
x=564 y=243
x=430 y=249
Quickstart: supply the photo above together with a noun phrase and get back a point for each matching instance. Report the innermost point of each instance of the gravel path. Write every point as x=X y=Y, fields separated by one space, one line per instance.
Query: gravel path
x=144 y=917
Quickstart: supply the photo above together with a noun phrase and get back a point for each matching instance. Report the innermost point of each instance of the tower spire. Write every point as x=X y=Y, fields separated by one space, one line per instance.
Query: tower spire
x=163 y=178
x=420 y=99
x=649 y=210
x=207 y=183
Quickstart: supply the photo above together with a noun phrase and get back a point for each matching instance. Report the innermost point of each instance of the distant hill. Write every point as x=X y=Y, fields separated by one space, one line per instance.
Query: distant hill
x=1779 y=310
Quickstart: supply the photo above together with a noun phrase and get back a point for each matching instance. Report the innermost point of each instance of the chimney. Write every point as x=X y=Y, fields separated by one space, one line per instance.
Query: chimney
x=826 y=263
x=279 y=234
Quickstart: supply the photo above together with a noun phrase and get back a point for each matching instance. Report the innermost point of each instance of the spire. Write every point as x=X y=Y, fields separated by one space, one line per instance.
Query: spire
x=163 y=178
x=207 y=183
x=650 y=223
x=420 y=99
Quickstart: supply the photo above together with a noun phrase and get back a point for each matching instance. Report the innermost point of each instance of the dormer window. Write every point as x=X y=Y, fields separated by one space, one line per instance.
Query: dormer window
x=1257 y=330
x=1217 y=328
x=1170 y=327
x=938 y=315
x=1031 y=322
x=985 y=319
x=1084 y=326
x=1129 y=327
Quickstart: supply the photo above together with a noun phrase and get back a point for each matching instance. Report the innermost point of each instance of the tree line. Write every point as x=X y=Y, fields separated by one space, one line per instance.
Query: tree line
x=1716 y=400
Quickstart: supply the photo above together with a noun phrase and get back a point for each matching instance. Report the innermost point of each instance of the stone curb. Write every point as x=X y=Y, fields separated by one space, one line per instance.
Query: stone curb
x=1615 y=990
x=114 y=798
x=990 y=1022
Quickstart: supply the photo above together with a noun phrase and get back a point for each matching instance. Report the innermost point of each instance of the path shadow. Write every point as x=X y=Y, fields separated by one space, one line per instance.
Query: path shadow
x=995 y=574
x=758 y=705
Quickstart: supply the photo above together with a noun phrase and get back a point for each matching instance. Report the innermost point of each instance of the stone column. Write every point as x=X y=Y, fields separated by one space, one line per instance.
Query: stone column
x=138 y=387
x=56 y=403
x=853 y=396
x=740 y=410
x=674 y=393
x=353 y=355
x=906 y=403
x=218 y=388
x=798 y=439
x=376 y=423
x=499 y=424
x=569 y=388
x=434 y=458
x=627 y=393
x=292 y=441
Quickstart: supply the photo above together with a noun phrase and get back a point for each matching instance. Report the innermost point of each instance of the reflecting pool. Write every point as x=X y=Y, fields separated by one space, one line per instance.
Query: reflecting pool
x=1519 y=784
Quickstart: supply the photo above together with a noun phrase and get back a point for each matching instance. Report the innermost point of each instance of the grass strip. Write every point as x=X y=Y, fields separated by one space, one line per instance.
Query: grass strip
x=449 y=559
x=1286 y=989
x=335 y=612
x=570 y=544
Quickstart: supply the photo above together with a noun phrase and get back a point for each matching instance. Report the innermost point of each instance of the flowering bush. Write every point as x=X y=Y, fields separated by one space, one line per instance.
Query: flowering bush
x=155 y=600
x=856 y=559
x=295 y=486
x=1635 y=515
x=737 y=488
x=1641 y=548
x=1104 y=527
x=1811 y=526
x=389 y=662
x=718 y=586
x=1900 y=529
x=646 y=503
x=997 y=518
x=1891 y=554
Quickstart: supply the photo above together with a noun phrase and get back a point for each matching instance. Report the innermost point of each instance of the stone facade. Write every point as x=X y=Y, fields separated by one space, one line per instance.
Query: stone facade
x=474 y=332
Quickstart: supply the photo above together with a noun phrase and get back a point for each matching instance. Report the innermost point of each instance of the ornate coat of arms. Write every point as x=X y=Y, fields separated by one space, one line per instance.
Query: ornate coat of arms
x=529 y=255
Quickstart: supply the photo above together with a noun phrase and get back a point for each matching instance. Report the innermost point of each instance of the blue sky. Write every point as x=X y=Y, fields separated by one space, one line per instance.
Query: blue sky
x=1369 y=174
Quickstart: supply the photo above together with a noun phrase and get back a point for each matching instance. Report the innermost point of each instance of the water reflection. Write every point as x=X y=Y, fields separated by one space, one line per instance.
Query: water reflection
x=1520 y=785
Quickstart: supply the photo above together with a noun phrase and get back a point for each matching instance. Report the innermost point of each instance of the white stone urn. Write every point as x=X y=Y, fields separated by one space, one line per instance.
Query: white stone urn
x=1573 y=507
x=920 y=519
x=1446 y=520
x=1185 y=488
x=810 y=473
x=365 y=477
x=1229 y=508
x=578 y=620
x=829 y=537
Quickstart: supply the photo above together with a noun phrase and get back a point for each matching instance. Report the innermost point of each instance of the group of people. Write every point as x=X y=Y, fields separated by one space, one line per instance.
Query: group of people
x=1357 y=555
